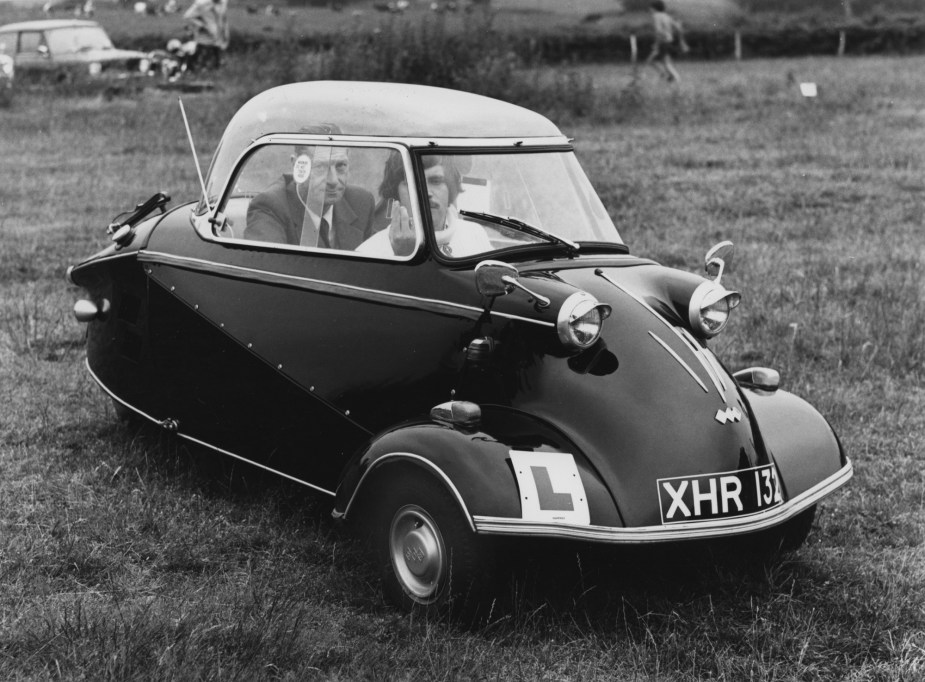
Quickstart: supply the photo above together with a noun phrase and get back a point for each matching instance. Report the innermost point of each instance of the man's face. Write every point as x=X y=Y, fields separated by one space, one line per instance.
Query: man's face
x=326 y=178
x=438 y=194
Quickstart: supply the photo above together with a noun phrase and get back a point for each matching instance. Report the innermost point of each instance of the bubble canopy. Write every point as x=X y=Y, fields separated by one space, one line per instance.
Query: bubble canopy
x=383 y=110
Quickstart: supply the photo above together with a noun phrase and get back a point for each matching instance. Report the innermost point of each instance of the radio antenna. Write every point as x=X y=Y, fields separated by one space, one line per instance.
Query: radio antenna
x=189 y=136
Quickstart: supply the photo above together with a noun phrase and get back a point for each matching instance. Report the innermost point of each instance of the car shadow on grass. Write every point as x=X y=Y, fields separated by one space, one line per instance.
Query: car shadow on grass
x=556 y=582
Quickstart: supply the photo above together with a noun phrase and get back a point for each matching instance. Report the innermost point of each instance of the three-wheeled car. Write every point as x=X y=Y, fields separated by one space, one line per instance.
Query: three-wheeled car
x=413 y=301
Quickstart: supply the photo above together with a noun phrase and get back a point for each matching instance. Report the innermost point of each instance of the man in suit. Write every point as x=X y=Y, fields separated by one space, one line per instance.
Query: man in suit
x=313 y=206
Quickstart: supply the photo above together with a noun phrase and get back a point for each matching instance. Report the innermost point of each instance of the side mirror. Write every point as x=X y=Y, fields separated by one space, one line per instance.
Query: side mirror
x=493 y=278
x=496 y=278
x=718 y=258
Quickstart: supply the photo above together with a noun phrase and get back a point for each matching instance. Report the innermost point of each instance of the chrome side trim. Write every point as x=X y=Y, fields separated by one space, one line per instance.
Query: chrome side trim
x=680 y=361
x=687 y=531
x=420 y=460
x=708 y=360
x=336 y=288
x=203 y=443
x=104 y=259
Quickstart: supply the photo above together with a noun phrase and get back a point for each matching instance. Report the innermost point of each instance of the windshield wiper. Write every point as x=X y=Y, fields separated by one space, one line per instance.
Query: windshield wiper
x=521 y=226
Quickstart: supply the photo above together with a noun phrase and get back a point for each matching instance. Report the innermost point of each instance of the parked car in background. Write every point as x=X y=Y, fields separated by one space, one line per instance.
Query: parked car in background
x=7 y=77
x=68 y=49
x=412 y=300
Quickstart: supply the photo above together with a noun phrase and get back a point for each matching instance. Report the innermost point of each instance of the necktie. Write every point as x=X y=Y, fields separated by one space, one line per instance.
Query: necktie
x=316 y=236
x=309 y=232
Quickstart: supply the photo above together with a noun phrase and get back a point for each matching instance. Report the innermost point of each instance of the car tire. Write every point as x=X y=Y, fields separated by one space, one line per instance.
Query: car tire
x=766 y=547
x=430 y=559
x=793 y=533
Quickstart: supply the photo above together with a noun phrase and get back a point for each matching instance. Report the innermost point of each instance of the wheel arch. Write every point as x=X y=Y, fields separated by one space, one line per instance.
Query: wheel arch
x=392 y=464
x=474 y=466
x=799 y=439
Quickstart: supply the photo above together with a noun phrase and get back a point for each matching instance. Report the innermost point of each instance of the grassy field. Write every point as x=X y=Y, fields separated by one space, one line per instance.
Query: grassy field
x=125 y=555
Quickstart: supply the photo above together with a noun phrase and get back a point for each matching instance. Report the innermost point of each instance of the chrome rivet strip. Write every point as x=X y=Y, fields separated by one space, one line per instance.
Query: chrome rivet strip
x=682 y=333
x=680 y=361
x=704 y=359
x=710 y=361
x=336 y=288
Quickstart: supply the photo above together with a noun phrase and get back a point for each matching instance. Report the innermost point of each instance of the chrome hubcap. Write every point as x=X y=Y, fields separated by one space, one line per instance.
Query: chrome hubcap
x=417 y=552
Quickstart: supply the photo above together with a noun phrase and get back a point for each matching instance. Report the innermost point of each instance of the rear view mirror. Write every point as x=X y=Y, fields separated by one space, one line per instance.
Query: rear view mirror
x=718 y=258
x=495 y=278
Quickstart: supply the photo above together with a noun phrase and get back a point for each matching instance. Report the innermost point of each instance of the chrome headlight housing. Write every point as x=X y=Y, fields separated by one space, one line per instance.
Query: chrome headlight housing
x=580 y=320
x=709 y=308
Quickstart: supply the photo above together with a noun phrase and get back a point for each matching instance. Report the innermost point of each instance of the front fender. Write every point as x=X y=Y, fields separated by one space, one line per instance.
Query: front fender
x=476 y=466
x=799 y=439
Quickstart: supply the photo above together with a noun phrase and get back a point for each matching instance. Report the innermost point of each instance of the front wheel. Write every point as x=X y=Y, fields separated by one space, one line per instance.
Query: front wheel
x=793 y=533
x=429 y=556
x=767 y=547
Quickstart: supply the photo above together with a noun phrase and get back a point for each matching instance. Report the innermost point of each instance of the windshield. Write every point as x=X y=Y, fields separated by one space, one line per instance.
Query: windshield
x=471 y=196
x=78 y=39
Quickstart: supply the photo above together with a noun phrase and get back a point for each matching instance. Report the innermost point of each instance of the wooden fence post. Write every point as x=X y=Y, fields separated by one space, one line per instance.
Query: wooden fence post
x=842 y=40
x=634 y=51
x=738 y=48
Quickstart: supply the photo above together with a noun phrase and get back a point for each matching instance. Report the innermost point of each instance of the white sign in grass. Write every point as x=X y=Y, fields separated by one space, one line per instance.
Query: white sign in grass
x=808 y=89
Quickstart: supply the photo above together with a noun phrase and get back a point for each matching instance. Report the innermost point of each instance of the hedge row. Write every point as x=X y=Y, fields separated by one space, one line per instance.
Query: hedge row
x=895 y=36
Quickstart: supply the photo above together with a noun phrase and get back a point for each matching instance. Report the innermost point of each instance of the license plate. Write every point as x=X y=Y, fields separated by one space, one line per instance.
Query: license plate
x=716 y=496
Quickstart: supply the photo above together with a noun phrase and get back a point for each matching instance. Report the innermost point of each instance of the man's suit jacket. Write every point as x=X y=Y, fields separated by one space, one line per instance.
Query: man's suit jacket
x=277 y=214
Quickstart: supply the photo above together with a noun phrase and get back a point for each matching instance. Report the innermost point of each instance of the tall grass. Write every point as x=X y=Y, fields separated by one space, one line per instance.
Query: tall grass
x=475 y=59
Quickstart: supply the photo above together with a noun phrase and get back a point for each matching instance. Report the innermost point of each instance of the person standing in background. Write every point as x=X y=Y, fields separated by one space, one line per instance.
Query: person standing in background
x=669 y=41
x=208 y=20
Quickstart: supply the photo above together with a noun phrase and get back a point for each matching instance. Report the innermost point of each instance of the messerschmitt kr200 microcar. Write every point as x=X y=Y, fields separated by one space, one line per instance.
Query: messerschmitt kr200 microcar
x=413 y=301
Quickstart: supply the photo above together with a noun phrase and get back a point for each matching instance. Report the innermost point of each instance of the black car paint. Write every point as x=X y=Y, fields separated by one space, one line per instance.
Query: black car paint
x=298 y=360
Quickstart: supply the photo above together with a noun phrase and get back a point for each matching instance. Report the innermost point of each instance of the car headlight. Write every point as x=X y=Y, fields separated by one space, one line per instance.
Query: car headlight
x=580 y=320
x=6 y=66
x=96 y=68
x=144 y=65
x=709 y=308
